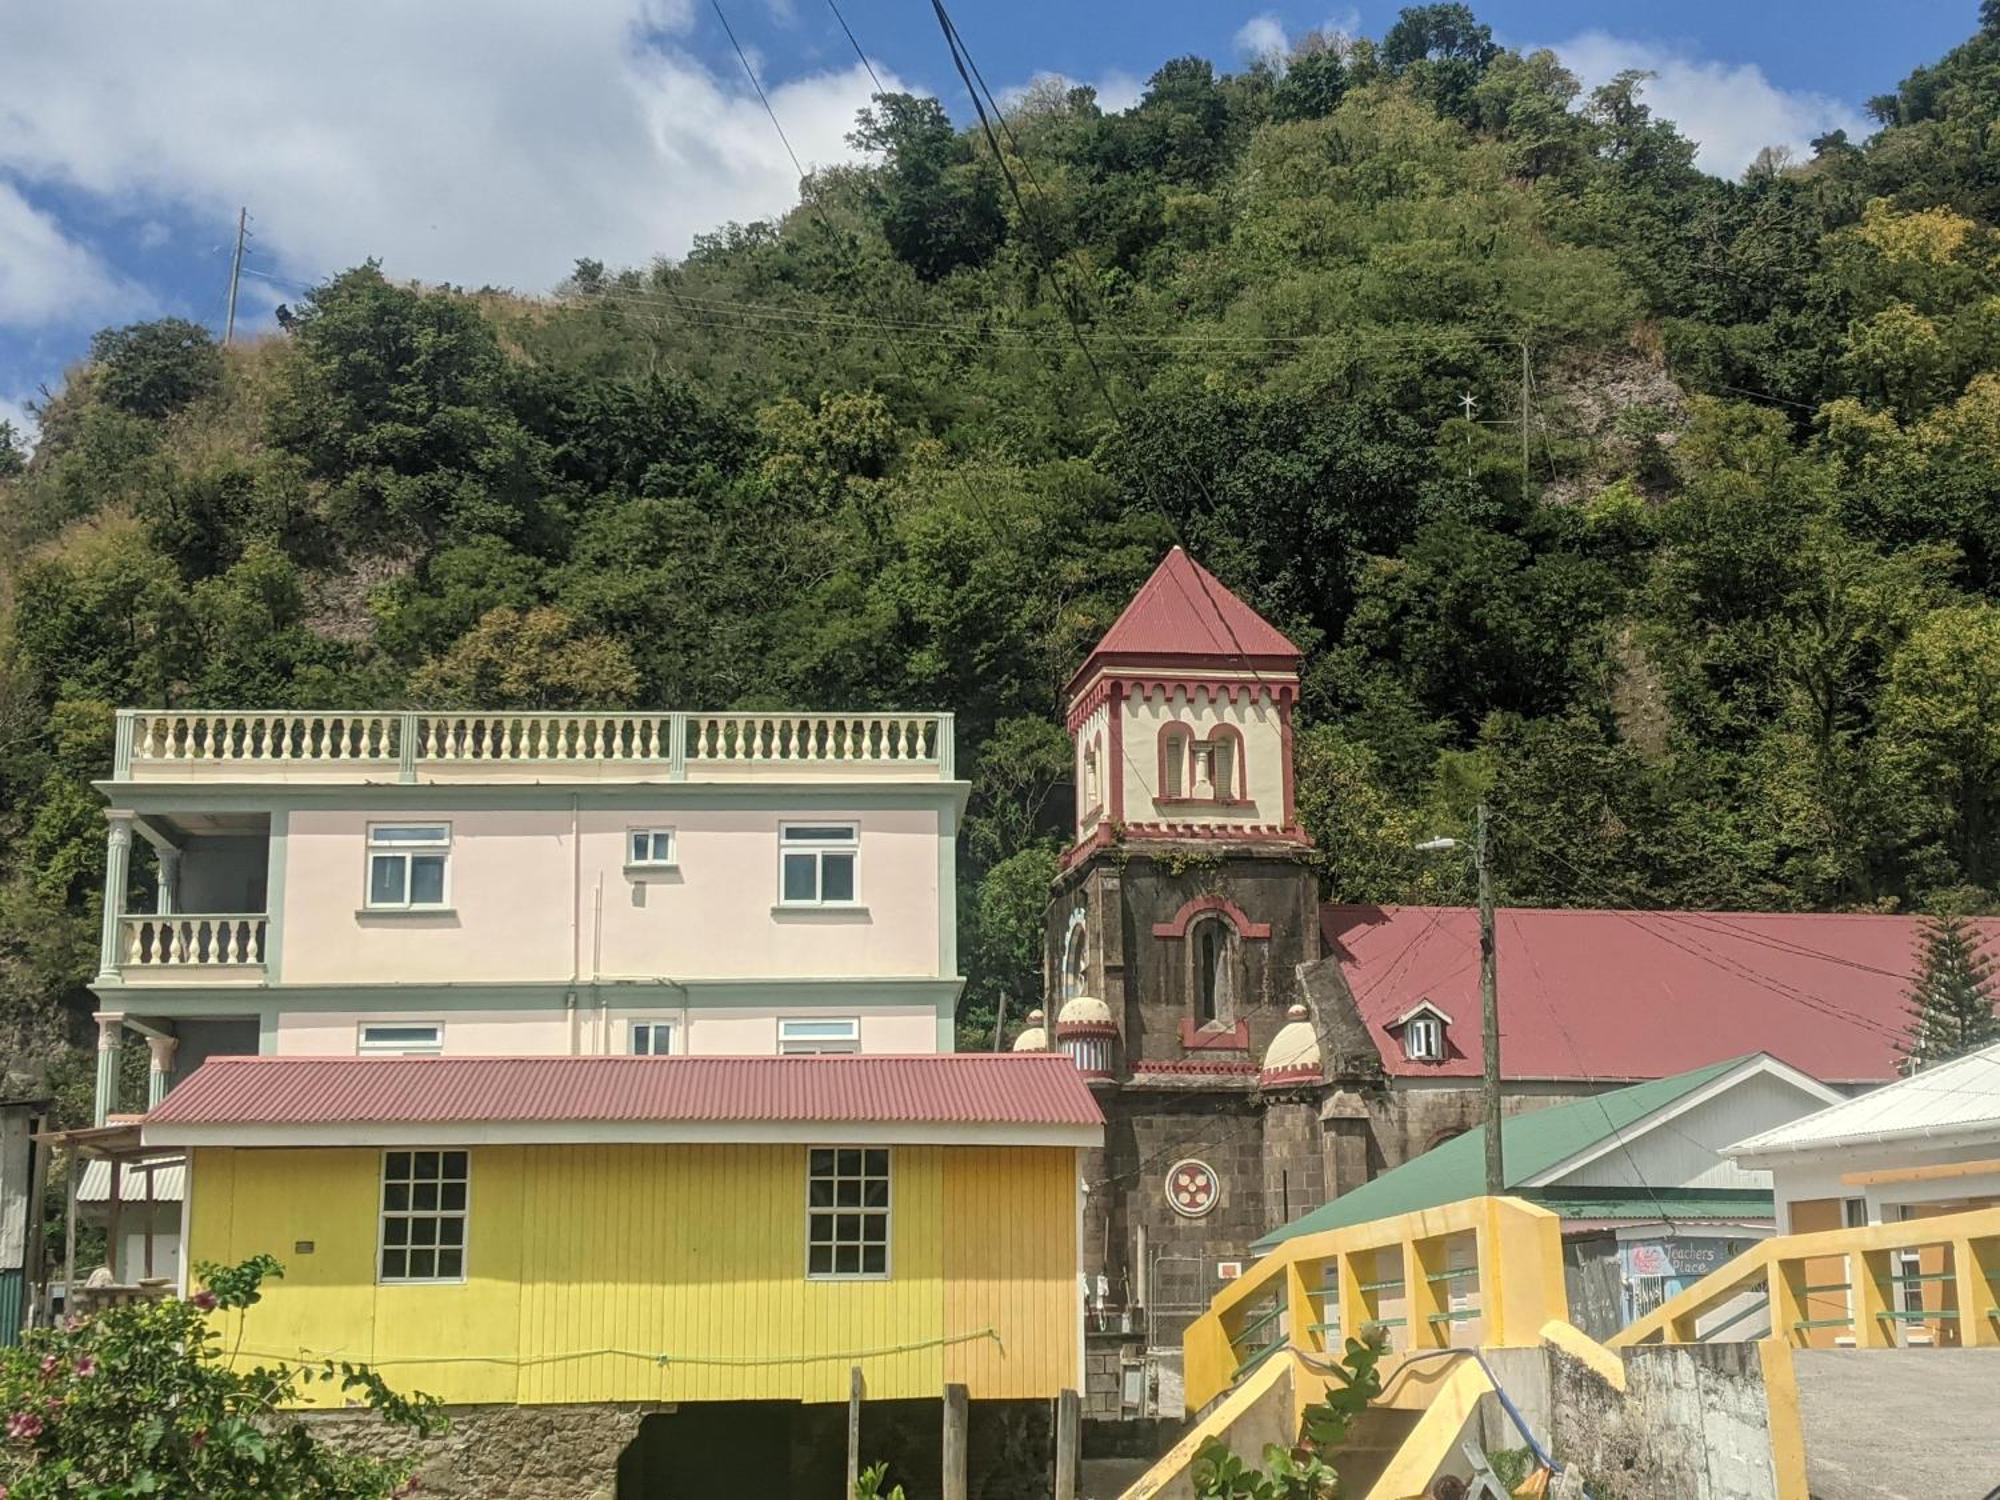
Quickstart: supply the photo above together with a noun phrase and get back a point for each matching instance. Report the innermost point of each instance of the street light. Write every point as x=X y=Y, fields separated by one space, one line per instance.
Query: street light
x=1489 y=999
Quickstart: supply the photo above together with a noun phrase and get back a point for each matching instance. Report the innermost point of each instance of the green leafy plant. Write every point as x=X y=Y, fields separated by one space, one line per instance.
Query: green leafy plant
x=868 y=1485
x=143 y=1400
x=1305 y=1471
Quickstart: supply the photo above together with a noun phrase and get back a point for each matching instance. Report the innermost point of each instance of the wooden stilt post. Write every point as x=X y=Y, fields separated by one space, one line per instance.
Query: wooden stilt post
x=853 y=1430
x=1069 y=1430
x=955 y=1420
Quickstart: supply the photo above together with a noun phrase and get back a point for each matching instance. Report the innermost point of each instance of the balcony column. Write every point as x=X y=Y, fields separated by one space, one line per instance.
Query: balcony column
x=170 y=882
x=110 y=1038
x=117 y=876
x=160 y=1069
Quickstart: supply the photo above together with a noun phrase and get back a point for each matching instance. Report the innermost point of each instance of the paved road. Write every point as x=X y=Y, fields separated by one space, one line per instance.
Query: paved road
x=1901 y=1424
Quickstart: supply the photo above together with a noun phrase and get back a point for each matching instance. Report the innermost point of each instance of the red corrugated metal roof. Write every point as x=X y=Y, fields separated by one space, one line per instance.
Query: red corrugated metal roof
x=1629 y=995
x=1184 y=610
x=950 y=1089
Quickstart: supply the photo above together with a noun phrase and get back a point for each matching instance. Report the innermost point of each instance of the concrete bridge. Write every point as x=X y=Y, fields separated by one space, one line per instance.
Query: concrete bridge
x=1853 y=1364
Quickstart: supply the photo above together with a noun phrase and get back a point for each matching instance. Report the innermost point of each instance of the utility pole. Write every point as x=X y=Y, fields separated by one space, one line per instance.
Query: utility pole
x=1526 y=378
x=235 y=275
x=1489 y=1009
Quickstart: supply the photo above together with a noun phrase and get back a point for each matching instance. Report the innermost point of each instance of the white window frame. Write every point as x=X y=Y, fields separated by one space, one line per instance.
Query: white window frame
x=653 y=860
x=405 y=849
x=652 y=1025
x=825 y=1044
x=819 y=848
x=887 y=1214
x=365 y=1047
x=1416 y=1030
x=383 y=1214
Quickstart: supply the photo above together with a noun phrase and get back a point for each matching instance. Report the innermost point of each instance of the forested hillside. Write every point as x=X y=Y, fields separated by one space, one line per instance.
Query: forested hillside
x=1704 y=592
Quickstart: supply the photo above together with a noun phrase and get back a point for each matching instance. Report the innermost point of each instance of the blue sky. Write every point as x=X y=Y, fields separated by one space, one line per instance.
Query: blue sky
x=481 y=141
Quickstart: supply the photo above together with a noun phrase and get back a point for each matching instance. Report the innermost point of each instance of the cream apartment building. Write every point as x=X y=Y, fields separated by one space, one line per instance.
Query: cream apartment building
x=509 y=884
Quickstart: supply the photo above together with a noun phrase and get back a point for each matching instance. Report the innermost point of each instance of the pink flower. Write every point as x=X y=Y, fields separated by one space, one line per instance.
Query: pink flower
x=86 y=1366
x=50 y=1364
x=205 y=1300
x=24 y=1426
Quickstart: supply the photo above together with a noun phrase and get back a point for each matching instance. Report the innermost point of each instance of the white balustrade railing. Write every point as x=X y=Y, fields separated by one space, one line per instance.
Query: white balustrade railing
x=153 y=741
x=815 y=737
x=229 y=940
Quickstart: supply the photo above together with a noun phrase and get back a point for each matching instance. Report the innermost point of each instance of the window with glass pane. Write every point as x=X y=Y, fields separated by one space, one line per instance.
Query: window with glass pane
x=651 y=1038
x=847 y=1211
x=428 y=1037
x=652 y=846
x=817 y=866
x=797 y=1035
x=423 y=1215
x=406 y=864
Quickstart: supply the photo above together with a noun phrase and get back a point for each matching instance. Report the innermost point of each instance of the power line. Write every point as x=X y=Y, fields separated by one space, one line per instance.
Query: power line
x=833 y=6
x=751 y=74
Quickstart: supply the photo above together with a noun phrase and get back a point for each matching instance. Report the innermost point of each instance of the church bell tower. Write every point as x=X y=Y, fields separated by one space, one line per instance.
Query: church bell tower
x=1178 y=923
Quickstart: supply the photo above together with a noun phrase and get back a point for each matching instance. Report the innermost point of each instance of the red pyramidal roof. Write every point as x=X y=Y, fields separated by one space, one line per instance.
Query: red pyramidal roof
x=1183 y=612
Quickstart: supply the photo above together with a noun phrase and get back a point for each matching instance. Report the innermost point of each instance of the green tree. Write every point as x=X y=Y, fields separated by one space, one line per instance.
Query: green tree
x=145 y=1400
x=939 y=203
x=536 y=659
x=1952 y=998
x=154 y=369
x=1941 y=720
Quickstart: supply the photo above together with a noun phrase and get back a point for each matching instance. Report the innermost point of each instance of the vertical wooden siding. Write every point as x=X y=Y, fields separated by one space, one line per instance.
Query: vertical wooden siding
x=672 y=1273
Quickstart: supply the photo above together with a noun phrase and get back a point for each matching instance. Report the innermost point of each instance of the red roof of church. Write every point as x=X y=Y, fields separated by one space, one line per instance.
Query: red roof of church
x=1004 y=1089
x=1631 y=995
x=1184 y=610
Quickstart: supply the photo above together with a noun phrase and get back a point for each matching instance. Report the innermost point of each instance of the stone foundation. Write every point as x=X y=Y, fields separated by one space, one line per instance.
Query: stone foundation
x=503 y=1452
x=768 y=1449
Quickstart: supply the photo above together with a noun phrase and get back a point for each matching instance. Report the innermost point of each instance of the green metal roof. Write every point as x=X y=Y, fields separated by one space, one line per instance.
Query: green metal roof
x=1531 y=1144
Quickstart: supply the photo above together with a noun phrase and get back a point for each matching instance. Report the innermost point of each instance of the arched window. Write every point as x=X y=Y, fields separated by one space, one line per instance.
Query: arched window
x=1213 y=955
x=1092 y=797
x=1174 y=761
x=1075 y=977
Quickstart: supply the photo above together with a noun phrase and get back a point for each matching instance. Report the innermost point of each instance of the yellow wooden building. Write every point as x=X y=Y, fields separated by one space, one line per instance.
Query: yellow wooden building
x=651 y=1229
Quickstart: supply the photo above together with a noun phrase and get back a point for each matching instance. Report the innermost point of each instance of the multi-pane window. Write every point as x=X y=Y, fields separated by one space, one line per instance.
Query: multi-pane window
x=847 y=1211
x=798 y=1035
x=423 y=1215
x=817 y=863
x=650 y=1038
x=406 y=864
x=653 y=847
x=416 y=1037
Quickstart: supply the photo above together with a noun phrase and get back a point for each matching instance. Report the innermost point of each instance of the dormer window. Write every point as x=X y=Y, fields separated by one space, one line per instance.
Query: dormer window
x=1423 y=1040
x=1423 y=1032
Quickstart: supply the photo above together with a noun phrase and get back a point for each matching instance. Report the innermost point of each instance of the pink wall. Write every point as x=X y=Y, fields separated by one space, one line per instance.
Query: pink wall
x=532 y=898
x=711 y=1031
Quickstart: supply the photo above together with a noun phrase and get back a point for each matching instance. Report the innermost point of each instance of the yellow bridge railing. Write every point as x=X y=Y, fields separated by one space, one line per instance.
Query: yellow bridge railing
x=1849 y=1281
x=1485 y=1271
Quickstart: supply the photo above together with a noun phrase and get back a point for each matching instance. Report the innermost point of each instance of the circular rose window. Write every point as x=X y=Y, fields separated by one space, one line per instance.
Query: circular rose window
x=1192 y=1188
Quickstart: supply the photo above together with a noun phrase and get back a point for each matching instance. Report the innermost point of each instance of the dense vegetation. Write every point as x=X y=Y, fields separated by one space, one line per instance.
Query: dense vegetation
x=1702 y=589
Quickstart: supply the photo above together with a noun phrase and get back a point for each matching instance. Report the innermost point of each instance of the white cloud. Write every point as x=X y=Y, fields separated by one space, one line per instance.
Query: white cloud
x=1117 y=90
x=47 y=277
x=1262 y=36
x=465 y=140
x=27 y=432
x=1731 y=109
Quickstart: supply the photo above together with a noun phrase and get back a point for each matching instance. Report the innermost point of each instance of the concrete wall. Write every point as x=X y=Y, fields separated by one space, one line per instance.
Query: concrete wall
x=528 y=898
x=1693 y=1423
x=1259 y=795
x=708 y=1031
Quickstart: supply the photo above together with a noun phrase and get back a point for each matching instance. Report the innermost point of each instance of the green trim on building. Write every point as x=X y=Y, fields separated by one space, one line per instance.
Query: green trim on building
x=274 y=899
x=256 y=1000
x=13 y=1290
x=1531 y=1143
x=1650 y=1203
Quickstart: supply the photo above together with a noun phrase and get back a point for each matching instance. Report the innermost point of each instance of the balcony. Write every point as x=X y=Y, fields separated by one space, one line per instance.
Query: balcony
x=192 y=946
x=262 y=746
